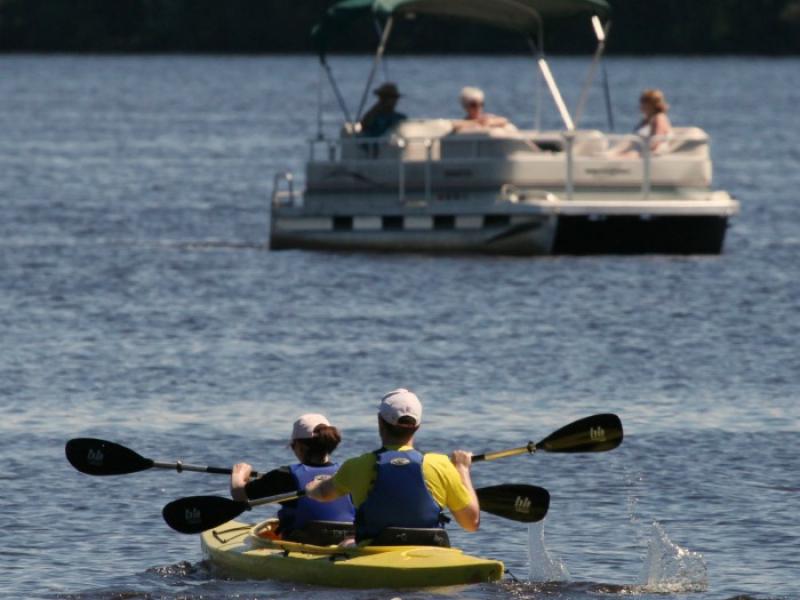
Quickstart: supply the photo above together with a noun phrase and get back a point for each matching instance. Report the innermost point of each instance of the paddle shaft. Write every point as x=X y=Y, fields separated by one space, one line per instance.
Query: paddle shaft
x=286 y=497
x=180 y=466
x=529 y=449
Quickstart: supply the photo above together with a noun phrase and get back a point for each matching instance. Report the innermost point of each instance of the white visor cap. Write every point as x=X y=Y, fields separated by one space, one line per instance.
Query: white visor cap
x=471 y=94
x=400 y=403
x=303 y=428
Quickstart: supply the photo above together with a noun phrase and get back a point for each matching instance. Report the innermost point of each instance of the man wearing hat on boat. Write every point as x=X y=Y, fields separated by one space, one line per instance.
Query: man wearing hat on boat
x=397 y=486
x=382 y=116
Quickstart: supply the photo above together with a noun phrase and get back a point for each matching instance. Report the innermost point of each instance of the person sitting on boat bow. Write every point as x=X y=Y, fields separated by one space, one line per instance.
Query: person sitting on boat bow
x=313 y=440
x=397 y=486
x=382 y=116
x=472 y=100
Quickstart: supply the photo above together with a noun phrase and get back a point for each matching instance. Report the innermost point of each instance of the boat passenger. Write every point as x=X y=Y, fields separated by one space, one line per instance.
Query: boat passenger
x=654 y=114
x=472 y=100
x=313 y=440
x=382 y=116
x=397 y=486
x=654 y=124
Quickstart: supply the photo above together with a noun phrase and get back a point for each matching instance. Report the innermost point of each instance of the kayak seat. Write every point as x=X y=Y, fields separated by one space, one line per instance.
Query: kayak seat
x=322 y=533
x=406 y=536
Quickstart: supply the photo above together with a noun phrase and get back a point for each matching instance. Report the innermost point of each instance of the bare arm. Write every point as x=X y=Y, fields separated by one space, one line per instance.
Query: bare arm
x=323 y=490
x=661 y=124
x=240 y=475
x=468 y=517
x=494 y=121
x=483 y=122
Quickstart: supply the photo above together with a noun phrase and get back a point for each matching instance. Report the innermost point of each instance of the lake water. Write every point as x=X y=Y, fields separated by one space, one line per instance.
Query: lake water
x=138 y=303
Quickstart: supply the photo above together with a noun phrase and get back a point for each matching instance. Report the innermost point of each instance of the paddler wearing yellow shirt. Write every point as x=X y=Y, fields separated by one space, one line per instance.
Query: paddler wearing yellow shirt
x=397 y=486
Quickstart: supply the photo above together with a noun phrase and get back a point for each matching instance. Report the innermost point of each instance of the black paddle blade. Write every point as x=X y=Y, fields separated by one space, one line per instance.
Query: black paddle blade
x=597 y=433
x=99 y=457
x=518 y=502
x=198 y=513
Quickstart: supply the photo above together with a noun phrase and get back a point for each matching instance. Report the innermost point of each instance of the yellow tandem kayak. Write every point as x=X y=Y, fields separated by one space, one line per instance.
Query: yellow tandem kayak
x=237 y=550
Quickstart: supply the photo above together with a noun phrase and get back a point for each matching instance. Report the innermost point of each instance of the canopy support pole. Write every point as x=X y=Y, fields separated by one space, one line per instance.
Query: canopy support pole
x=336 y=90
x=384 y=68
x=319 y=104
x=538 y=52
x=607 y=94
x=600 y=33
x=556 y=93
x=544 y=68
x=375 y=63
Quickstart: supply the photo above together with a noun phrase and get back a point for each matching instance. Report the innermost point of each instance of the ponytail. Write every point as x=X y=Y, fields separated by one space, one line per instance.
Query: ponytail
x=326 y=439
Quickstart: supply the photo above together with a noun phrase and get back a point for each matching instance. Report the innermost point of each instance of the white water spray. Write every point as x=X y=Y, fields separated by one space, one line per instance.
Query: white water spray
x=670 y=568
x=542 y=565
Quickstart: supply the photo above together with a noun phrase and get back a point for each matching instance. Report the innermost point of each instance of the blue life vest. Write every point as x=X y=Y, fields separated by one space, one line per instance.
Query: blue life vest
x=306 y=509
x=399 y=496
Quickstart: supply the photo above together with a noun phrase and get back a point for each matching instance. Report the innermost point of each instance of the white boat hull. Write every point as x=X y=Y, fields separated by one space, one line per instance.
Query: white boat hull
x=530 y=229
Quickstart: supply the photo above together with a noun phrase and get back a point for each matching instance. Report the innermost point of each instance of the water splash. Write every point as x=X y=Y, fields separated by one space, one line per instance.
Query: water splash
x=542 y=565
x=670 y=568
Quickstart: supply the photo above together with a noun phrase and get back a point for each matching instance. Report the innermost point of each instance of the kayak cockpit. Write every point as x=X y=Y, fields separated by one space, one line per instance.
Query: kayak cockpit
x=333 y=533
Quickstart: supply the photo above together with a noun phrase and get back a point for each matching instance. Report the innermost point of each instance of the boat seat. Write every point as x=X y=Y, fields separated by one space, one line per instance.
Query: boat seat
x=687 y=141
x=322 y=533
x=407 y=140
x=416 y=132
x=486 y=143
x=589 y=142
x=406 y=536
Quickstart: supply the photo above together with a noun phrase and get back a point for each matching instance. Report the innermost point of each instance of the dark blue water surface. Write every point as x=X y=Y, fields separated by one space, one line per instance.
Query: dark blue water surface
x=138 y=303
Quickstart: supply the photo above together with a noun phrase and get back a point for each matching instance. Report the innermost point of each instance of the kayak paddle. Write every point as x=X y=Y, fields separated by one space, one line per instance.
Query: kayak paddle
x=194 y=514
x=100 y=457
x=597 y=433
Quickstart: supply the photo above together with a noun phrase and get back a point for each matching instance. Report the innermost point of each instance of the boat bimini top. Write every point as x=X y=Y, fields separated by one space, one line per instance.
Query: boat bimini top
x=522 y=16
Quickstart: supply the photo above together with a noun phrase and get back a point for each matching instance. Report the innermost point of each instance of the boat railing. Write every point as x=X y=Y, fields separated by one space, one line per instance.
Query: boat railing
x=283 y=189
x=568 y=148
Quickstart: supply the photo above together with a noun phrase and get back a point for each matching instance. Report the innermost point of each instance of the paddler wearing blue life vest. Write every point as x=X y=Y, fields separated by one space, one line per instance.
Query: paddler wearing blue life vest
x=397 y=486
x=313 y=441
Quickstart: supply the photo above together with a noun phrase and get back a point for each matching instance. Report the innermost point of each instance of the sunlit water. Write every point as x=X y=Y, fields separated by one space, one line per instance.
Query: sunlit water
x=138 y=303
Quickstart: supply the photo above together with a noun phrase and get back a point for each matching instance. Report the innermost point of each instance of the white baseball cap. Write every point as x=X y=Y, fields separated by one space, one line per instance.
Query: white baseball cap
x=303 y=428
x=400 y=403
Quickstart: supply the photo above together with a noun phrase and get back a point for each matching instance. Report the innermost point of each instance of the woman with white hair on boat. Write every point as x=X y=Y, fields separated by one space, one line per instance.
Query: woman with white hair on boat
x=472 y=100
